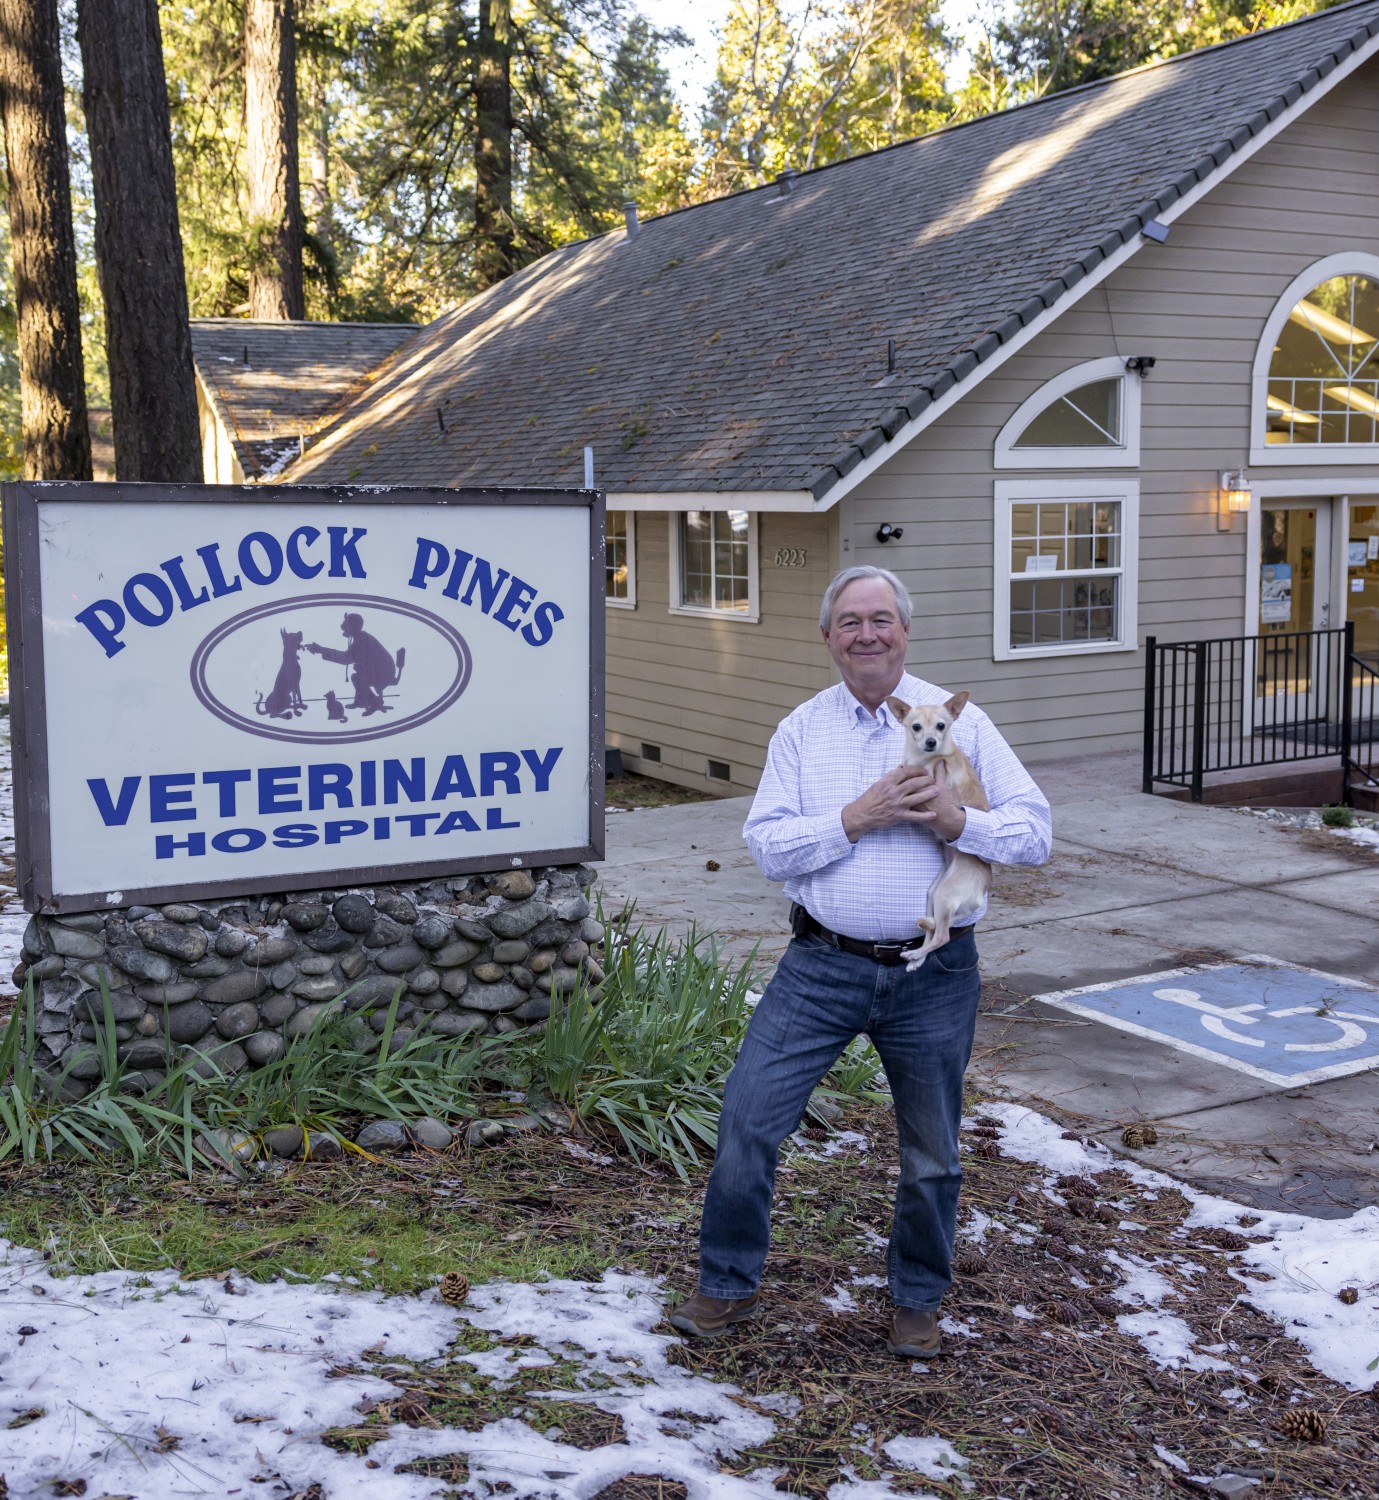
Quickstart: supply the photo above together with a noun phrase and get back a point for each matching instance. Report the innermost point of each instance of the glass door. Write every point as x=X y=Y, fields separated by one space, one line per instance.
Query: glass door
x=1294 y=598
x=1362 y=576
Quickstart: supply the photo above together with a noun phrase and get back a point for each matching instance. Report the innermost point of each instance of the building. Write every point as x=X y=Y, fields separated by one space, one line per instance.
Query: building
x=1033 y=363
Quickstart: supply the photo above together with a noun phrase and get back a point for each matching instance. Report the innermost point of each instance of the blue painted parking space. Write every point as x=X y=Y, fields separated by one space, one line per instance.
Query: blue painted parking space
x=1277 y=1022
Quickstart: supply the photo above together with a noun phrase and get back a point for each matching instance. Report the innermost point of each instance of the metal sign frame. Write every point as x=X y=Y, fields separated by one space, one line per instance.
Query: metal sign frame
x=29 y=687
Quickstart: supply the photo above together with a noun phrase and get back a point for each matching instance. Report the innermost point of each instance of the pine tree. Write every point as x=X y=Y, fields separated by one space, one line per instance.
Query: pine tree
x=270 y=135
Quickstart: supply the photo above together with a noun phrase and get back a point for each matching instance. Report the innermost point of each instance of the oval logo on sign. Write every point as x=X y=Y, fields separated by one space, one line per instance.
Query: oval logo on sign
x=331 y=668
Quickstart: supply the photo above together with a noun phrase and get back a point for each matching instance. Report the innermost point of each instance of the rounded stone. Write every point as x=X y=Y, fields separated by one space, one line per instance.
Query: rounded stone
x=146 y=1025
x=230 y=989
x=306 y=1018
x=383 y=1137
x=512 y=951
x=484 y=1133
x=185 y=944
x=571 y=908
x=591 y=931
x=436 y=1002
x=125 y=1005
x=399 y=959
x=424 y=982
x=493 y=997
x=263 y=1047
x=353 y=913
x=33 y=939
x=321 y=988
x=276 y=1009
x=522 y=978
x=433 y=930
x=284 y=975
x=330 y=939
x=138 y=963
x=180 y=911
x=74 y=944
x=239 y=1020
x=488 y=973
x=190 y=1022
x=143 y=1053
x=399 y=1039
x=431 y=1133
x=564 y=980
x=517 y=921
x=551 y=934
x=574 y=951
x=47 y=968
x=286 y=1141
x=515 y=885
x=352 y=965
x=321 y=1145
x=374 y=989
x=81 y=1062
x=593 y=971
x=535 y=1009
x=168 y=994
x=272 y=951
x=305 y=916
x=315 y=964
x=384 y=933
x=454 y=954
x=210 y=967
x=229 y=1058
x=454 y=982
x=541 y=962
x=230 y=942
x=476 y=932
x=458 y=1023
x=399 y=908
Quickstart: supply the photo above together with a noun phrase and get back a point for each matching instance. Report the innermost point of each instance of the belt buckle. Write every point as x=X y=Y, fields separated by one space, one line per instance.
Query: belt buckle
x=889 y=951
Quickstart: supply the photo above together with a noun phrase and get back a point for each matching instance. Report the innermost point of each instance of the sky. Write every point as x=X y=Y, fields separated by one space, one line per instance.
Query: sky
x=691 y=68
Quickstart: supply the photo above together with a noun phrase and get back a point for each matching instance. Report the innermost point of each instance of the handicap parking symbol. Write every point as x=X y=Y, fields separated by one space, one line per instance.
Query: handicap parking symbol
x=1275 y=1021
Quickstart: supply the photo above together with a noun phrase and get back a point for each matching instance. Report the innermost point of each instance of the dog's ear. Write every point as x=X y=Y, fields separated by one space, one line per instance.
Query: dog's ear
x=898 y=707
x=957 y=703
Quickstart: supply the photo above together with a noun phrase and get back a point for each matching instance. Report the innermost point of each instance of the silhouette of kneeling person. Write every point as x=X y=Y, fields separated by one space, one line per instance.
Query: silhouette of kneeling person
x=373 y=667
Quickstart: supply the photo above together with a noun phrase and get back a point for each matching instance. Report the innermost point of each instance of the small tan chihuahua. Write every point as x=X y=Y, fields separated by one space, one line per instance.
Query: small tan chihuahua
x=958 y=894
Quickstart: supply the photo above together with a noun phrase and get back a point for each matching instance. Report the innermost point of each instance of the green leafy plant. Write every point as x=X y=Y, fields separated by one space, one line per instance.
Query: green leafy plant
x=1338 y=817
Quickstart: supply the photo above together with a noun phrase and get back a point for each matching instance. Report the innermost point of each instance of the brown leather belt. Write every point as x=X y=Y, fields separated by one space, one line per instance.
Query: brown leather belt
x=891 y=954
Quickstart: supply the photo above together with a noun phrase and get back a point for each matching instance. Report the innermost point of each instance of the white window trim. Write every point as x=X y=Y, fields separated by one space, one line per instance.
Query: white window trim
x=1011 y=491
x=631 y=601
x=1349 y=263
x=1126 y=456
x=677 y=605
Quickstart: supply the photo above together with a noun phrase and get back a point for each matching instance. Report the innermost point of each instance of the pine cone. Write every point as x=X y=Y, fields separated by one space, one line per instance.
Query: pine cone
x=970 y=1263
x=1117 y=1177
x=1106 y=1214
x=1139 y=1136
x=1063 y=1311
x=1349 y=1295
x=987 y=1150
x=1074 y=1186
x=1081 y=1208
x=1223 y=1239
x=1054 y=1224
x=990 y=1132
x=1304 y=1423
x=454 y=1288
x=985 y=1122
x=1108 y=1307
x=1057 y=1245
x=1075 y=1135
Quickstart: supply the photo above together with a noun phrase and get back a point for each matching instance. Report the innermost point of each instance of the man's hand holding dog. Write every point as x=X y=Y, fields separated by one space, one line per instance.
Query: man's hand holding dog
x=908 y=794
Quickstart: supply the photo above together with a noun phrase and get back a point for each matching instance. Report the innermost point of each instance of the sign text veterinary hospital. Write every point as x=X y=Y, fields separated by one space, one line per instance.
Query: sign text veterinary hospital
x=232 y=690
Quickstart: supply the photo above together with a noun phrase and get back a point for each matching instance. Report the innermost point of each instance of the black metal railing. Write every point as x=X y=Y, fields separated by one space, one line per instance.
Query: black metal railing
x=1258 y=700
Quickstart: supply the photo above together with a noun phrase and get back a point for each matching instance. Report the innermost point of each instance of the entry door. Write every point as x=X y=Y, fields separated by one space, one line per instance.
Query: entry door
x=1294 y=597
x=1362 y=576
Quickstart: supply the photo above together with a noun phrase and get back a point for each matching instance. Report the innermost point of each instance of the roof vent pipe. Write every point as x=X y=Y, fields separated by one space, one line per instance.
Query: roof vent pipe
x=629 y=212
x=786 y=181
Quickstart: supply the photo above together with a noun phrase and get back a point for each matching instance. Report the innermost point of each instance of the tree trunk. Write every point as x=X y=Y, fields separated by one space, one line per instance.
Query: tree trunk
x=270 y=132
x=57 y=440
x=494 y=231
x=138 y=243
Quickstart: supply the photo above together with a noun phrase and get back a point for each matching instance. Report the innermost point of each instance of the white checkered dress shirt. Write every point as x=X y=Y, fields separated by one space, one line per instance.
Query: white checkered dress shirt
x=825 y=755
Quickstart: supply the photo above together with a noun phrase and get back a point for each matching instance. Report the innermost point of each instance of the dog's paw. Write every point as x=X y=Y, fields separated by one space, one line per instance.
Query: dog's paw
x=914 y=958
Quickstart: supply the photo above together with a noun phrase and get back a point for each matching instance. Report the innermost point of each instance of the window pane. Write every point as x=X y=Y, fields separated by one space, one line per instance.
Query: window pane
x=1324 y=374
x=1088 y=417
x=1064 y=611
x=615 y=559
x=714 y=556
x=696 y=558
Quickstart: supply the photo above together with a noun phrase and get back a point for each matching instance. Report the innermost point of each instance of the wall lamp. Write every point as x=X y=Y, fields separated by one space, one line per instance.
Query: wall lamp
x=885 y=532
x=1234 y=497
x=1140 y=364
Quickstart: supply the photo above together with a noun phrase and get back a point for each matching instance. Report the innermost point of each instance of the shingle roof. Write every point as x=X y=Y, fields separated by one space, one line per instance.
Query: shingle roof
x=272 y=382
x=738 y=345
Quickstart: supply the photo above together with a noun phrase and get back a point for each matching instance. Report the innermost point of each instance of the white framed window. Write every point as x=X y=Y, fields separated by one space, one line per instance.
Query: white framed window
x=714 y=564
x=620 y=559
x=1088 y=418
x=1067 y=567
x=1315 y=395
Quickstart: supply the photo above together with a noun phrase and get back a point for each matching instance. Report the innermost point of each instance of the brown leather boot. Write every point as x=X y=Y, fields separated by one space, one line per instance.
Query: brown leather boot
x=707 y=1317
x=914 y=1333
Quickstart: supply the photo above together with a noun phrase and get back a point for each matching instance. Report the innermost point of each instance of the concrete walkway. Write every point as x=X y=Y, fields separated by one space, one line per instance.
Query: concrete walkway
x=1136 y=885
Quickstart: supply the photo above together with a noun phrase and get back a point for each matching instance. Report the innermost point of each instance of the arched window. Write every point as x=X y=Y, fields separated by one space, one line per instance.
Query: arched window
x=1316 y=386
x=1086 y=418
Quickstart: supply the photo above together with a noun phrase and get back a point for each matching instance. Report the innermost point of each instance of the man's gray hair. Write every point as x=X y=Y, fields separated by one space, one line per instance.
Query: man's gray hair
x=903 y=603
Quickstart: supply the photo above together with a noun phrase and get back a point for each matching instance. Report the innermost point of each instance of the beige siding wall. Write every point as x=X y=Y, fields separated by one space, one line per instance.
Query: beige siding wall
x=1198 y=304
x=706 y=689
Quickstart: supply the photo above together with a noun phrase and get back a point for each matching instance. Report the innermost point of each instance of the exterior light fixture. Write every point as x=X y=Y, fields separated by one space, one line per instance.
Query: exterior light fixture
x=1234 y=497
x=885 y=532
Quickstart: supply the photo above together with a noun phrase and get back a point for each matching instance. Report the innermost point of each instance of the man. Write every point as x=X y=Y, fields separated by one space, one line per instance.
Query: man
x=858 y=838
x=372 y=666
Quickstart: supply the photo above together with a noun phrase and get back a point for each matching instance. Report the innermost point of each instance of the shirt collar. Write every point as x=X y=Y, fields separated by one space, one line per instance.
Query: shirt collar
x=857 y=714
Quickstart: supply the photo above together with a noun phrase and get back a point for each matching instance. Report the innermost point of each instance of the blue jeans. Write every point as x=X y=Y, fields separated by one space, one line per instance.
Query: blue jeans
x=921 y=1025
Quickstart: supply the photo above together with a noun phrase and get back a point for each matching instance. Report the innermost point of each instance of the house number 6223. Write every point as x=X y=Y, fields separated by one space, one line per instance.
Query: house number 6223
x=791 y=557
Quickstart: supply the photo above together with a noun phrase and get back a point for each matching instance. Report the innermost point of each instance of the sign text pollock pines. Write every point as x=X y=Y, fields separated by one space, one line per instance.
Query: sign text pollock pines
x=224 y=690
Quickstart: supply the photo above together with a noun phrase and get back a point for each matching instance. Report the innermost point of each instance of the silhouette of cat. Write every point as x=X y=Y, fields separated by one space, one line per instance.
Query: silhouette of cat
x=285 y=701
x=335 y=710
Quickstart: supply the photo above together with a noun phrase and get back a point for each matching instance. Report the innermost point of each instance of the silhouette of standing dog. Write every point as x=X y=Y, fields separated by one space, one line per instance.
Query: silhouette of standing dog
x=285 y=701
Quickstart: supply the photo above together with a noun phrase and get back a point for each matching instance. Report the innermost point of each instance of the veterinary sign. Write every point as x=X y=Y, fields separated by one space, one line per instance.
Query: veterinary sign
x=1285 y=1025
x=223 y=690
